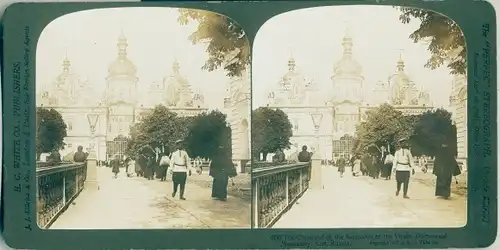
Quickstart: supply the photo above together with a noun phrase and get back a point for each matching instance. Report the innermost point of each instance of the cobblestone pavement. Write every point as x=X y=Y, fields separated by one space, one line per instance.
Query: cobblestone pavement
x=137 y=203
x=353 y=202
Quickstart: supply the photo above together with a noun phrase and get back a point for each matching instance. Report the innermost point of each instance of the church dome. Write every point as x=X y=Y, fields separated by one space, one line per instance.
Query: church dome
x=179 y=93
x=122 y=66
x=347 y=65
x=290 y=76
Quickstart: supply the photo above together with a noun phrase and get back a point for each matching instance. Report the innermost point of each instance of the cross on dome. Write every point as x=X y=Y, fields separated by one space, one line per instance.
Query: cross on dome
x=176 y=66
x=122 y=44
x=401 y=63
x=347 y=40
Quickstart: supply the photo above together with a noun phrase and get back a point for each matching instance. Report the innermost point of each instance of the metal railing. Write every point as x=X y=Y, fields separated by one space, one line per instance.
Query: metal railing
x=275 y=190
x=57 y=187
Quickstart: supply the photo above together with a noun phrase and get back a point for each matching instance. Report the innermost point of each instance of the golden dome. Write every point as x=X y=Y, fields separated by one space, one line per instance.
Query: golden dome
x=347 y=65
x=122 y=66
x=291 y=76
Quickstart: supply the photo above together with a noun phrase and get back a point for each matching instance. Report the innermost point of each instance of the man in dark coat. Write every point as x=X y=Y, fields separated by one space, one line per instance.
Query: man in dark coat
x=79 y=155
x=305 y=156
x=341 y=162
x=366 y=161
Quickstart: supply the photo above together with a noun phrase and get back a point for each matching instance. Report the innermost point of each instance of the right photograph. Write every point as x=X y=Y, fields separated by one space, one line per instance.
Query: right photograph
x=359 y=119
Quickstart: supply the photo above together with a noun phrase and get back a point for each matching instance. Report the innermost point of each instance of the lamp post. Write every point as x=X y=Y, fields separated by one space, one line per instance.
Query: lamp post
x=91 y=182
x=316 y=176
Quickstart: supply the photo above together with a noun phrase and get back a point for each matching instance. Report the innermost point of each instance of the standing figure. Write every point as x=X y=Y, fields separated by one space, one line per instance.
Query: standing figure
x=389 y=159
x=180 y=169
x=305 y=156
x=115 y=166
x=148 y=155
x=422 y=161
x=150 y=166
x=79 y=155
x=366 y=168
x=54 y=157
x=356 y=166
x=403 y=164
x=376 y=166
x=163 y=166
x=138 y=165
x=130 y=164
x=279 y=156
x=445 y=166
x=341 y=165
x=221 y=169
x=199 y=165
x=351 y=163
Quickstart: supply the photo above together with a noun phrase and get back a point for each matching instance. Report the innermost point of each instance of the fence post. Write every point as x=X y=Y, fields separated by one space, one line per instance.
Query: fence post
x=255 y=196
x=301 y=186
x=287 y=198
x=64 y=188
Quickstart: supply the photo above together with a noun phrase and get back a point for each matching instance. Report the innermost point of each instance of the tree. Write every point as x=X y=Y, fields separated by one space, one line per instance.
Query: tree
x=383 y=126
x=159 y=129
x=51 y=130
x=271 y=131
x=223 y=38
x=433 y=129
x=444 y=36
x=206 y=133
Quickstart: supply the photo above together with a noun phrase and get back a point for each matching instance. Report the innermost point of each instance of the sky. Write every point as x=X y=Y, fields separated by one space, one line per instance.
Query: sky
x=155 y=39
x=314 y=36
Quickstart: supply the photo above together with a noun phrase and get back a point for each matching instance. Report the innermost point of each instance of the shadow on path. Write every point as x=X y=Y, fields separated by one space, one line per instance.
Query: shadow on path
x=137 y=203
x=355 y=202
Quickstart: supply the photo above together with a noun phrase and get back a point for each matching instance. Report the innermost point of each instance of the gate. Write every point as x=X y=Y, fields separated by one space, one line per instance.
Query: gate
x=117 y=146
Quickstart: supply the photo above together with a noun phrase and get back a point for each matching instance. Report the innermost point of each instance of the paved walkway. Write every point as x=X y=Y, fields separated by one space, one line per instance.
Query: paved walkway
x=136 y=203
x=353 y=202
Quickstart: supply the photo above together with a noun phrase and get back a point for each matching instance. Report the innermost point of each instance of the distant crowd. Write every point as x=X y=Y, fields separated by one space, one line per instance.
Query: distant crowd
x=401 y=164
x=153 y=164
x=382 y=163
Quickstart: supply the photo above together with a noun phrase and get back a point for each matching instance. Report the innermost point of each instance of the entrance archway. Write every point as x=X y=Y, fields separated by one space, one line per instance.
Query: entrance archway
x=116 y=147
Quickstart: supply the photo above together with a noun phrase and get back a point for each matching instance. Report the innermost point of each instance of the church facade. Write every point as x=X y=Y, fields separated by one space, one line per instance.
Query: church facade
x=119 y=106
x=342 y=108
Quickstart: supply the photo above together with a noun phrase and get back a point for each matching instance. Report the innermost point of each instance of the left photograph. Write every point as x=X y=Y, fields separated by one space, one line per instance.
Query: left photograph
x=143 y=121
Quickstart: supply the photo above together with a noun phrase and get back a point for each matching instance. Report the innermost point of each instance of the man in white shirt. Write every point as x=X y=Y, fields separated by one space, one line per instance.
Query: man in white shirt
x=180 y=167
x=402 y=165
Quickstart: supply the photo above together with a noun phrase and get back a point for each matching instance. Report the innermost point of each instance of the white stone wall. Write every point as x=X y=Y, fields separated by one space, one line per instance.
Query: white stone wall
x=461 y=123
x=239 y=113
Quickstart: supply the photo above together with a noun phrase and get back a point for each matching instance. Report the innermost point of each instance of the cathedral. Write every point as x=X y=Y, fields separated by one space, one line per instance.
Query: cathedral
x=119 y=106
x=343 y=108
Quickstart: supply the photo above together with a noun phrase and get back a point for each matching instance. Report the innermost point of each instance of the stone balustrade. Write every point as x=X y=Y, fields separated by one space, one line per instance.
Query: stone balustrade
x=58 y=185
x=276 y=187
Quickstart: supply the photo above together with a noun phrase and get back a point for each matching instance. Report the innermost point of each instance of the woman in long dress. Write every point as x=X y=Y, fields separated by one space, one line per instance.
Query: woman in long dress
x=163 y=166
x=220 y=170
x=445 y=167
x=389 y=158
x=356 y=167
x=137 y=167
x=115 y=166
x=130 y=163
